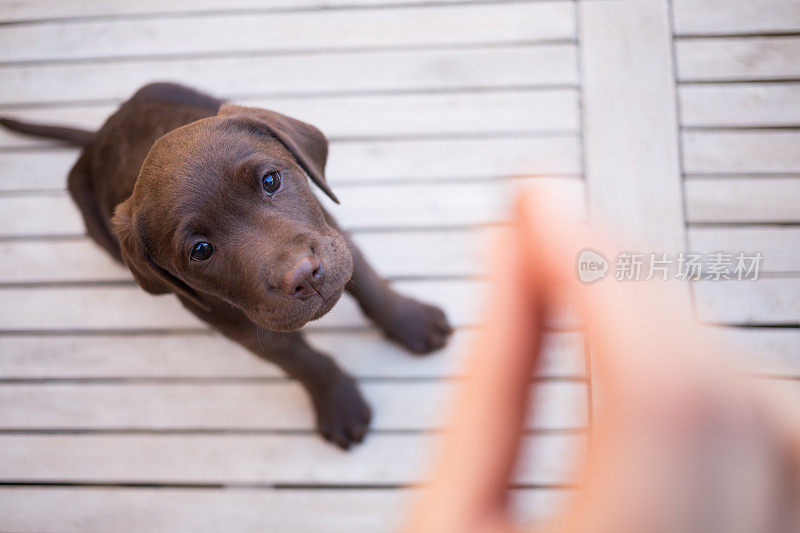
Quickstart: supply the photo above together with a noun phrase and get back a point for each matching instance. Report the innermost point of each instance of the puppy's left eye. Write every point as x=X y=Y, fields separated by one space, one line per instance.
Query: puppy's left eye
x=202 y=251
x=271 y=182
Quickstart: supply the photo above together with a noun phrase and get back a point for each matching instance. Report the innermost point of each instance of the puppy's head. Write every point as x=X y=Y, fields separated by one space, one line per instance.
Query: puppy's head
x=223 y=207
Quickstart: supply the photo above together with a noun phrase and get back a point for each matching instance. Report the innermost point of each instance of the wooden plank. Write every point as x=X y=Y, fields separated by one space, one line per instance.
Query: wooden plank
x=365 y=354
x=359 y=162
x=394 y=254
x=741 y=151
x=740 y=105
x=263 y=459
x=711 y=17
x=373 y=207
x=777 y=244
x=765 y=301
x=752 y=58
x=245 y=510
x=78 y=260
x=755 y=200
x=632 y=165
x=80 y=509
x=766 y=351
x=376 y=71
x=288 y=31
x=39 y=215
x=129 y=307
x=36 y=10
x=404 y=406
x=41 y=170
x=368 y=116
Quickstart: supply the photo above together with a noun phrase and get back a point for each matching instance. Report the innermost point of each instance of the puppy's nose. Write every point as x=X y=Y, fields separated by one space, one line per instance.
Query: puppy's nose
x=303 y=278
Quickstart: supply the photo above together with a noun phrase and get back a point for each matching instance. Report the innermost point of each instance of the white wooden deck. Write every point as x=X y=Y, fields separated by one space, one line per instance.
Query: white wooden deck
x=679 y=120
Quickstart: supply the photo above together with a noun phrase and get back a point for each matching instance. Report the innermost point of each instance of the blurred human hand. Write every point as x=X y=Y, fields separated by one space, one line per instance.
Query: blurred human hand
x=680 y=441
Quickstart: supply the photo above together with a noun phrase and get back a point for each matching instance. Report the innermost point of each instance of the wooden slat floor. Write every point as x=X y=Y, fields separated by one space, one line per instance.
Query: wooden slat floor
x=121 y=412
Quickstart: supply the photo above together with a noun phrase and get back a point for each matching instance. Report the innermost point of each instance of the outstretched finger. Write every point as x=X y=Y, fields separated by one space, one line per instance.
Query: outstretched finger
x=642 y=333
x=468 y=486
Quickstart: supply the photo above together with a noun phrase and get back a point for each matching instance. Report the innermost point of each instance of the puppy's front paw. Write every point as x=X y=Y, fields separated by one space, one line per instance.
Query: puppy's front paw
x=420 y=327
x=342 y=414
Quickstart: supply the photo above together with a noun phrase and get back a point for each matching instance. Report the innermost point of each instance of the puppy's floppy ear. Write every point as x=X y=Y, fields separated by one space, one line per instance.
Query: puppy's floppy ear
x=146 y=272
x=305 y=142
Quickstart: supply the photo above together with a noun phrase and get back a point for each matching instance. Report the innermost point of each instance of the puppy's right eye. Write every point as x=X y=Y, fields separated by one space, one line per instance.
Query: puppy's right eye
x=271 y=182
x=202 y=251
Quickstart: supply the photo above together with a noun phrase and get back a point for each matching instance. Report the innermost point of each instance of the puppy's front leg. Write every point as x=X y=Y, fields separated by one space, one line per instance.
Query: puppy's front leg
x=420 y=327
x=342 y=414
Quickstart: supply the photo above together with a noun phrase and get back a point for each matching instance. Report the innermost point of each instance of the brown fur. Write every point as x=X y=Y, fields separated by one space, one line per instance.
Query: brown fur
x=173 y=167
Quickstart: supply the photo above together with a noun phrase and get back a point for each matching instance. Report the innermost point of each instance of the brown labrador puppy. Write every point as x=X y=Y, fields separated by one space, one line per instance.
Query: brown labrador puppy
x=211 y=202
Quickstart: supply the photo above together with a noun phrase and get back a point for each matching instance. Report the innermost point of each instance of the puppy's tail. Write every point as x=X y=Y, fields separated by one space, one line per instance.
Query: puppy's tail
x=73 y=136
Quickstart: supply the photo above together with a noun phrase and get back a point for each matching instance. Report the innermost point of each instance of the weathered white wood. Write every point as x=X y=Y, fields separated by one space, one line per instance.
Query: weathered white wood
x=81 y=509
x=412 y=406
x=746 y=104
x=777 y=244
x=394 y=254
x=206 y=355
x=263 y=459
x=18 y=10
x=765 y=301
x=720 y=152
x=632 y=165
x=395 y=205
x=36 y=170
x=91 y=308
x=129 y=307
x=462 y=197
x=58 y=261
x=362 y=116
x=359 y=162
x=326 y=89
x=39 y=215
x=761 y=200
x=245 y=510
x=396 y=71
x=249 y=33
x=752 y=58
x=772 y=352
x=709 y=17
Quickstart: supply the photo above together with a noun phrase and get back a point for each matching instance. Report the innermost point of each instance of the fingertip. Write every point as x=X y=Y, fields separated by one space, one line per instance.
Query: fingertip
x=550 y=222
